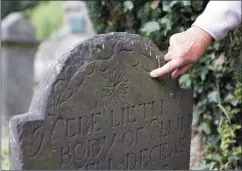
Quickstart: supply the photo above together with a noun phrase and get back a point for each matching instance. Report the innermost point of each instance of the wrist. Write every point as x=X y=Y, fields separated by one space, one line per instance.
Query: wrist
x=200 y=36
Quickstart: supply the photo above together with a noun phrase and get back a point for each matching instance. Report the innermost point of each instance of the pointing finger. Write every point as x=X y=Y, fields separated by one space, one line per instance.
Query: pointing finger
x=167 y=68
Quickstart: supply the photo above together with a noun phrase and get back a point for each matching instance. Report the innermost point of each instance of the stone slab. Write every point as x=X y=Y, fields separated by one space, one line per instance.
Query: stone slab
x=98 y=109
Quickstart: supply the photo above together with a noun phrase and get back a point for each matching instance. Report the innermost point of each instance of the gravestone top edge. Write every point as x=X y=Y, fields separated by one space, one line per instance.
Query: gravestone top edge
x=44 y=87
x=15 y=27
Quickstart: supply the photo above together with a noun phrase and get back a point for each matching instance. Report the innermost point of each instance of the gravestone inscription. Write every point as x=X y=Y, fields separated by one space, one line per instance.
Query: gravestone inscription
x=98 y=109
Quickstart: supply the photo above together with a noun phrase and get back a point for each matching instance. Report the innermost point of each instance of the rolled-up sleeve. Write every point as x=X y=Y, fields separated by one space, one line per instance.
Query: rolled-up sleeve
x=220 y=17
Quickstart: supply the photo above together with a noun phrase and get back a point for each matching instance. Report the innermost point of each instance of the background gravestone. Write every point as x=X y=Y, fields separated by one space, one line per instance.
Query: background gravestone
x=98 y=108
x=19 y=44
x=64 y=38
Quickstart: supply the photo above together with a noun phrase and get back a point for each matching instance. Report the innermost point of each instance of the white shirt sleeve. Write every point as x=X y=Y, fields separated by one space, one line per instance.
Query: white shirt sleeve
x=220 y=17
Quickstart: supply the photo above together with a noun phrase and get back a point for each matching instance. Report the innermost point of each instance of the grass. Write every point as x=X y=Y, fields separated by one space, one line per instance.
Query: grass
x=4 y=154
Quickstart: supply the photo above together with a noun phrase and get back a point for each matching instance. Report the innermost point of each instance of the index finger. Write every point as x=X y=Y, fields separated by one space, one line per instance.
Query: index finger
x=167 y=68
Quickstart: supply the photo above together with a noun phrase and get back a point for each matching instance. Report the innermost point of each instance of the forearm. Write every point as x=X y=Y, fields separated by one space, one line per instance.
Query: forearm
x=219 y=18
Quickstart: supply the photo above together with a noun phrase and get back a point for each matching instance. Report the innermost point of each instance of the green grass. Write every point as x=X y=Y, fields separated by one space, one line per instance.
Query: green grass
x=4 y=154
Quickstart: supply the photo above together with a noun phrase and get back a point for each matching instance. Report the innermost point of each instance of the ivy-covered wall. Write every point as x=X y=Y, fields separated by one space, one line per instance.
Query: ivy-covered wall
x=216 y=78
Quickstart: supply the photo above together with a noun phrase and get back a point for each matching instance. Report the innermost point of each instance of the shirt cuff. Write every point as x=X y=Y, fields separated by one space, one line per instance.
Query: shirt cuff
x=219 y=18
x=207 y=28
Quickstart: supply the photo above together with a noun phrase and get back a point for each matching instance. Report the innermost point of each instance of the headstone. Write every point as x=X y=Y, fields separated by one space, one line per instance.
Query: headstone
x=19 y=45
x=76 y=28
x=98 y=109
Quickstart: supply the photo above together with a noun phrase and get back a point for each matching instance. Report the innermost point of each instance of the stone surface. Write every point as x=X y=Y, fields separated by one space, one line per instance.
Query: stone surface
x=98 y=109
x=18 y=47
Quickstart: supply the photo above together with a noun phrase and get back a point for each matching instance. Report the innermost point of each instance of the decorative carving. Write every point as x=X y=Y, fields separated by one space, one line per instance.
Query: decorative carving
x=56 y=140
x=102 y=51
x=90 y=68
x=67 y=94
x=103 y=66
x=70 y=70
x=35 y=141
x=79 y=78
x=115 y=86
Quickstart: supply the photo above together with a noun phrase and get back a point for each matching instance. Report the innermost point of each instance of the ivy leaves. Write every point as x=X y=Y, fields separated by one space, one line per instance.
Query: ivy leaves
x=150 y=27
x=128 y=5
x=216 y=79
x=217 y=110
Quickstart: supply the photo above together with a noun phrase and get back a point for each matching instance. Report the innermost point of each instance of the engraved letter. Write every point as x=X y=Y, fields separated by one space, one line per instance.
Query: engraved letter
x=158 y=108
x=114 y=120
x=80 y=151
x=83 y=126
x=95 y=147
x=71 y=130
x=141 y=110
x=57 y=135
x=170 y=130
x=128 y=138
x=131 y=161
x=155 y=127
x=138 y=135
x=149 y=110
x=95 y=126
x=154 y=154
x=143 y=157
x=130 y=112
x=66 y=156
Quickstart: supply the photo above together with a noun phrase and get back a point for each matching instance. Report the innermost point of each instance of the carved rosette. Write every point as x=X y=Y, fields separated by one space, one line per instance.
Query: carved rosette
x=115 y=86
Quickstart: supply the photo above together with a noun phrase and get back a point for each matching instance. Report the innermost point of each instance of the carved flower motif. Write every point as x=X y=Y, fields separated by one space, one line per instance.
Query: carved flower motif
x=115 y=86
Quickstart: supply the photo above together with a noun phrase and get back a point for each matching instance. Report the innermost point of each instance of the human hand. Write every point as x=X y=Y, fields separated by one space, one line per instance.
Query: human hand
x=185 y=49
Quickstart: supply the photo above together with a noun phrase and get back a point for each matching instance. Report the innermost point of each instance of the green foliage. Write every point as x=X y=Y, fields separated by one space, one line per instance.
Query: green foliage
x=217 y=83
x=218 y=103
x=46 y=17
x=4 y=155
x=9 y=6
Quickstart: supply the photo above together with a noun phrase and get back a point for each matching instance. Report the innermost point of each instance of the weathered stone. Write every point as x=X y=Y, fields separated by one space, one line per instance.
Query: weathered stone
x=98 y=109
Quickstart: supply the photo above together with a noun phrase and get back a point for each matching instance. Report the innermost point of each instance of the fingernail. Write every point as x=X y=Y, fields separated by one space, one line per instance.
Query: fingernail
x=153 y=74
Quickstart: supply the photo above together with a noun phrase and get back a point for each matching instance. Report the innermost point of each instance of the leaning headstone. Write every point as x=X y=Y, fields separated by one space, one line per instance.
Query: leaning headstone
x=19 y=45
x=98 y=109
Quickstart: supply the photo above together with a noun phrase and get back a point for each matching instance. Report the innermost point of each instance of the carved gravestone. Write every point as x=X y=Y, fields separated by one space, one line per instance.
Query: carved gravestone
x=98 y=109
